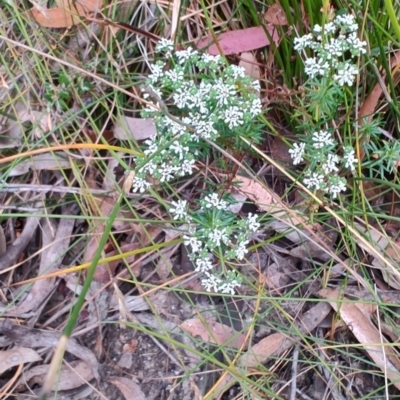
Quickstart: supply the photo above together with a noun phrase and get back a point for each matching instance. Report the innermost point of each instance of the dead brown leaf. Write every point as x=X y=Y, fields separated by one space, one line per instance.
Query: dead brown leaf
x=390 y=275
x=214 y=332
x=249 y=62
x=367 y=334
x=18 y=355
x=276 y=15
x=67 y=14
x=69 y=377
x=164 y=263
x=255 y=191
x=279 y=149
x=370 y=103
x=129 y=389
x=129 y=128
x=55 y=242
x=48 y=161
x=18 y=246
x=275 y=277
x=14 y=129
x=384 y=245
x=30 y=337
x=311 y=238
x=236 y=42
x=238 y=204
x=277 y=343
x=268 y=201
x=264 y=349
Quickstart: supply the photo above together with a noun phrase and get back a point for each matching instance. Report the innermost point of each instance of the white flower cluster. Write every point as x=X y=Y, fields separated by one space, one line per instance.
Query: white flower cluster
x=334 y=45
x=322 y=173
x=204 y=238
x=224 y=102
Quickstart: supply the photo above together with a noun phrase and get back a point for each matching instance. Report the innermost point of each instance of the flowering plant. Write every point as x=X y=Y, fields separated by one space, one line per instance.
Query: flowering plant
x=196 y=100
x=219 y=106
x=214 y=229
x=334 y=45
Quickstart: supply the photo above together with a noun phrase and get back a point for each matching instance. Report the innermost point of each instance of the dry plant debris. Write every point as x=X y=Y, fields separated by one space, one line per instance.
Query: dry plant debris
x=311 y=310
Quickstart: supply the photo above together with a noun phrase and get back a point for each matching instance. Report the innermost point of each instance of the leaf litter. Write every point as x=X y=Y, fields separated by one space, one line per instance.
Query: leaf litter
x=156 y=277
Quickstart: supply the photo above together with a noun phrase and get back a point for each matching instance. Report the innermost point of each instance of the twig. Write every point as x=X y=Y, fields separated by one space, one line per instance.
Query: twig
x=293 y=385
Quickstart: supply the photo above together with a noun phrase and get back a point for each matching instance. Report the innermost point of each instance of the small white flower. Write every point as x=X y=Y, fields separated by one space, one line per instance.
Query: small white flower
x=233 y=117
x=186 y=168
x=297 y=153
x=314 y=180
x=336 y=185
x=182 y=97
x=174 y=127
x=256 y=85
x=185 y=55
x=241 y=250
x=357 y=47
x=224 y=93
x=329 y=28
x=164 y=45
x=330 y=164
x=203 y=265
x=300 y=43
x=346 y=74
x=335 y=48
x=179 y=210
x=314 y=67
x=322 y=139
x=347 y=21
x=198 y=100
x=167 y=172
x=156 y=72
x=213 y=201
x=349 y=158
x=193 y=242
x=252 y=223
x=237 y=72
x=228 y=287
x=208 y=59
x=211 y=282
x=140 y=184
x=317 y=28
x=205 y=88
x=204 y=128
x=149 y=167
x=175 y=75
x=180 y=150
x=217 y=236
x=152 y=146
x=255 y=107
